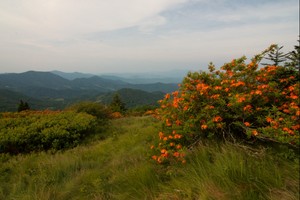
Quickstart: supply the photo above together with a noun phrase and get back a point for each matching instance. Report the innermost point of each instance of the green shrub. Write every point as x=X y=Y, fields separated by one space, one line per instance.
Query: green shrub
x=42 y=130
x=101 y=112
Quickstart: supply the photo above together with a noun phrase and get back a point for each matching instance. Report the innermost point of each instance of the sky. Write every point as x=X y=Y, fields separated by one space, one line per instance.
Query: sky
x=134 y=36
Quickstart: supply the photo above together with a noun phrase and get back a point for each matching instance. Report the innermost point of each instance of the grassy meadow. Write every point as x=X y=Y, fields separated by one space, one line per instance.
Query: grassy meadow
x=120 y=167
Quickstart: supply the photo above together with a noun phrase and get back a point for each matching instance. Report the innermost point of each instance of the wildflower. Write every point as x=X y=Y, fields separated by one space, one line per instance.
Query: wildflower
x=178 y=146
x=217 y=119
x=293 y=96
x=168 y=122
x=185 y=107
x=218 y=87
x=176 y=154
x=247 y=124
x=286 y=110
x=247 y=108
x=291 y=88
x=254 y=132
x=177 y=136
x=204 y=126
x=163 y=151
x=296 y=127
x=258 y=92
x=152 y=147
x=215 y=96
x=269 y=119
x=154 y=157
x=167 y=96
x=175 y=94
x=161 y=135
x=178 y=122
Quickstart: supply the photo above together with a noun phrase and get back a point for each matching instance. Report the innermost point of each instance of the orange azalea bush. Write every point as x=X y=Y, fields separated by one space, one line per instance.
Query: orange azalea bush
x=238 y=101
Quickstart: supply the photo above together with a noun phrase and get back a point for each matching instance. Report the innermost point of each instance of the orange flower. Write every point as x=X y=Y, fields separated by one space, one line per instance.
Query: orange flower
x=185 y=107
x=226 y=89
x=154 y=157
x=296 y=127
x=215 y=96
x=269 y=119
x=172 y=144
x=247 y=108
x=152 y=147
x=178 y=146
x=176 y=154
x=240 y=99
x=202 y=88
x=217 y=119
x=175 y=94
x=247 y=124
x=177 y=136
x=218 y=88
x=165 y=138
x=293 y=96
x=285 y=129
x=161 y=135
x=178 y=122
x=168 y=122
x=167 y=96
x=240 y=83
x=163 y=151
x=258 y=92
x=204 y=126
x=291 y=88
x=286 y=110
x=254 y=132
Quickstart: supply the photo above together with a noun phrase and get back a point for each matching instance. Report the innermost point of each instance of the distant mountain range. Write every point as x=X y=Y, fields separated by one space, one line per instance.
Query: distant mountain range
x=58 y=89
x=174 y=76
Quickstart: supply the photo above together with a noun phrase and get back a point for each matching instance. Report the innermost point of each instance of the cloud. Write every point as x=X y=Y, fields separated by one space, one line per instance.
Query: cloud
x=60 y=18
x=97 y=35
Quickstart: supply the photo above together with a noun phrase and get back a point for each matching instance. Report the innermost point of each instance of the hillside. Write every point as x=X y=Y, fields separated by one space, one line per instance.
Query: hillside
x=133 y=97
x=120 y=167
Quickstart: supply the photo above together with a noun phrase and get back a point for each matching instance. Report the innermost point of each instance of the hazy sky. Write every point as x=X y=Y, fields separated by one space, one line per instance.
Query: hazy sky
x=100 y=36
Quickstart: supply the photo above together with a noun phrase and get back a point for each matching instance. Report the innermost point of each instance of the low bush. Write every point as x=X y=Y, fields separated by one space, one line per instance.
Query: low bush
x=42 y=130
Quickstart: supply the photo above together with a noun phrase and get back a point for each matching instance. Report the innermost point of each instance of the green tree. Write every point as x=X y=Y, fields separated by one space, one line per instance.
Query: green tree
x=276 y=56
x=23 y=106
x=117 y=105
x=293 y=57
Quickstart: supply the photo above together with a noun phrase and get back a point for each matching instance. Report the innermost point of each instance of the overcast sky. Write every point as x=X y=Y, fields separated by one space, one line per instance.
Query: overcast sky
x=101 y=36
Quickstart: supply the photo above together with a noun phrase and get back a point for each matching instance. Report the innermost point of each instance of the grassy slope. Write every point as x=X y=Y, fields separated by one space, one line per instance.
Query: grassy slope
x=119 y=168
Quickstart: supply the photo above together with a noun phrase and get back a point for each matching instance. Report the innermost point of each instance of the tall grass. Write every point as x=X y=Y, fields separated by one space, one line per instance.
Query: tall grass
x=120 y=167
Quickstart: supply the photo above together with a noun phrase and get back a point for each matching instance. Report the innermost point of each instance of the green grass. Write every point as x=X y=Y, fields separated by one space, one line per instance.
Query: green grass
x=120 y=167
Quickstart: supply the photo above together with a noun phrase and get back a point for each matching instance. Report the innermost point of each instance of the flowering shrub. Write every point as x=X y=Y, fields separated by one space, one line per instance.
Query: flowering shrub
x=239 y=100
